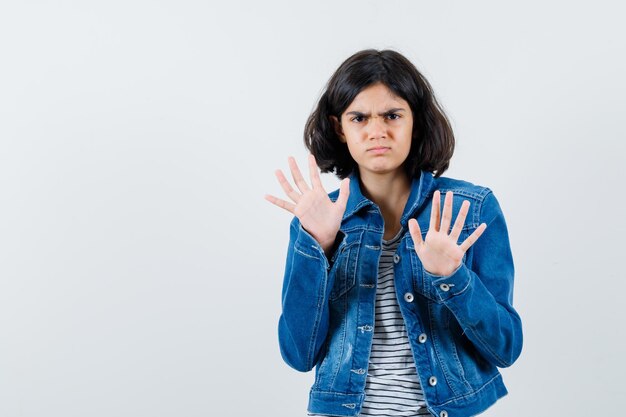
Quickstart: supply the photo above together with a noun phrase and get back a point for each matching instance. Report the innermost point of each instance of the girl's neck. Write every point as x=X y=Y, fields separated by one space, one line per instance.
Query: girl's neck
x=390 y=193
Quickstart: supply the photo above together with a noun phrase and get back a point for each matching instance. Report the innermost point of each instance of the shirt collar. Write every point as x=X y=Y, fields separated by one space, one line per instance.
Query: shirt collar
x=420 y=189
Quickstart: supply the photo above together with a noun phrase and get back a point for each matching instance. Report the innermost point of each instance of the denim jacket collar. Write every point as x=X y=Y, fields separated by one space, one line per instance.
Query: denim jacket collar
x=420 y=189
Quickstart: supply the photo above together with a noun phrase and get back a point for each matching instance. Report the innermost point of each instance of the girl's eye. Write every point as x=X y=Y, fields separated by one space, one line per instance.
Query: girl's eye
x=391 y=116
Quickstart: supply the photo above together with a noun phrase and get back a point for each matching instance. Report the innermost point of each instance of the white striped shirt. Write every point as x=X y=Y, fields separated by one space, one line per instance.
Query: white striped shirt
x=392 y=387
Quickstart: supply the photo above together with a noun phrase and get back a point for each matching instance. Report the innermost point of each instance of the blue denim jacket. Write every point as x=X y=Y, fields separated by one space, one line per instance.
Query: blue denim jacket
x=461 y=327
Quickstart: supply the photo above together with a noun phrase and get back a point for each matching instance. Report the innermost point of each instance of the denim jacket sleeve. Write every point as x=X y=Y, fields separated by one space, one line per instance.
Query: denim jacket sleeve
x=480 y=295
x=303 y=324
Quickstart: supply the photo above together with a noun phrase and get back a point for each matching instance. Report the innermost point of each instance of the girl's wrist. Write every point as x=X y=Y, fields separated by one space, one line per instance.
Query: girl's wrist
x=329 y=246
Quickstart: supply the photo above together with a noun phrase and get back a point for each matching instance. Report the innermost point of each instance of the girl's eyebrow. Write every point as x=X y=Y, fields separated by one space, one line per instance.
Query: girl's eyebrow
x=393 y=110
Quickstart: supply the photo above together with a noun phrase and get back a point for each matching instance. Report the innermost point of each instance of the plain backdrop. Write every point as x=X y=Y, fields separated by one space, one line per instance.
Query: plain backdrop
x=140 y=266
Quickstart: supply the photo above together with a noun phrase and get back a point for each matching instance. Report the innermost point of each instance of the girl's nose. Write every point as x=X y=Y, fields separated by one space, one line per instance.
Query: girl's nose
x=377 y=128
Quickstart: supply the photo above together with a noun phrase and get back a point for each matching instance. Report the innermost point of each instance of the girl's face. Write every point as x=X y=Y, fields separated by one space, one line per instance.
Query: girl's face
x=377 y=127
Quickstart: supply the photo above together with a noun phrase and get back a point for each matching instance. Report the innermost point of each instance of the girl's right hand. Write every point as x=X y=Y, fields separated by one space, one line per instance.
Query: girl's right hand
x=318 y=215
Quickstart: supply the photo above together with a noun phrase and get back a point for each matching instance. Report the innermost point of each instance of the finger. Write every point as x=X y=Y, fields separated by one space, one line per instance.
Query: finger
x=290 y=207
x=446 y=217
x=460 y=221
x=473 y=237
x=344 y=193
x=291 y=193
x=314 y=173
x=416 y=233
x=297 y=175
x=434 y=212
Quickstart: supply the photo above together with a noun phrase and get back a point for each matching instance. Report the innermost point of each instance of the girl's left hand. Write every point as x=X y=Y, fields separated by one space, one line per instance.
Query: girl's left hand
x=439 y=252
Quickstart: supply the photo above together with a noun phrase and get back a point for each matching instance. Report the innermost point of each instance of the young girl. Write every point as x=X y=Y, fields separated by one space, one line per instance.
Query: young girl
x=398 y=287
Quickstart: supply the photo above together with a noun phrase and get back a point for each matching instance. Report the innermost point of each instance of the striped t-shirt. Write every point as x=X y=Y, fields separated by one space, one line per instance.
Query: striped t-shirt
x=392 y=387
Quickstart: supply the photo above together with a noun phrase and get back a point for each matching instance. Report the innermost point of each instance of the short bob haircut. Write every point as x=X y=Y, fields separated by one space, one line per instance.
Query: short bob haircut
x=432 y=143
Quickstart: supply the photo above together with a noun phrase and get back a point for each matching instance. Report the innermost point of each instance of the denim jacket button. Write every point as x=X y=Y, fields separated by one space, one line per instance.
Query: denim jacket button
x=443 y=413
x=408 y=297
x=444 y=287
x=422 y=338
x=432 y=381
x=396 y=258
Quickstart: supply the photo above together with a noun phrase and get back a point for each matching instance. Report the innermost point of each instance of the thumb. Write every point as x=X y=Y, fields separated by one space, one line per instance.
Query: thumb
x=416 y=233
x=344 y=193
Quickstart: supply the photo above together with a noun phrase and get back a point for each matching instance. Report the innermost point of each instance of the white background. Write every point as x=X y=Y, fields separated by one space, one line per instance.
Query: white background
x=140 y=266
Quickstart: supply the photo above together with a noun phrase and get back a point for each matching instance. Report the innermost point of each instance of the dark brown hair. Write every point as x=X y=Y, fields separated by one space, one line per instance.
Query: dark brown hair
x=432 y=143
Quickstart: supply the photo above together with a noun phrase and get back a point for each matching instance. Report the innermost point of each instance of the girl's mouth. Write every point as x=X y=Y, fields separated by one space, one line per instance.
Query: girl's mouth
x=379 y=149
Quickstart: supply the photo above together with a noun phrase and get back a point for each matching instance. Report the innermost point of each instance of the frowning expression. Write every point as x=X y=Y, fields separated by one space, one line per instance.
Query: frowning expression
x=377 y=128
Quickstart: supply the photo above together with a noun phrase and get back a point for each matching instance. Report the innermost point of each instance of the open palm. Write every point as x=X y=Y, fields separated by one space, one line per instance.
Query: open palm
x=439 y=252
x=317 y=213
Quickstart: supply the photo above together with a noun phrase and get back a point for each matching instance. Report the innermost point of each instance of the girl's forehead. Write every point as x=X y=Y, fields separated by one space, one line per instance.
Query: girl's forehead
x=377 y=95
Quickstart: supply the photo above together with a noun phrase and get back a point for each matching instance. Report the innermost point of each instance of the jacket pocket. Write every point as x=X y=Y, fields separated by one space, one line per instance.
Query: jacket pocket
x=345 y=265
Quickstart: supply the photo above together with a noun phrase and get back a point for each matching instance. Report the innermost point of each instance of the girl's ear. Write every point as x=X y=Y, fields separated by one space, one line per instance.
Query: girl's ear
x=338 y=129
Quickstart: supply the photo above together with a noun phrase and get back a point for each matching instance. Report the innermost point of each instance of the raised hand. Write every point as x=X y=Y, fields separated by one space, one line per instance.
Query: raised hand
x=318 y=215
x=439 y=252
